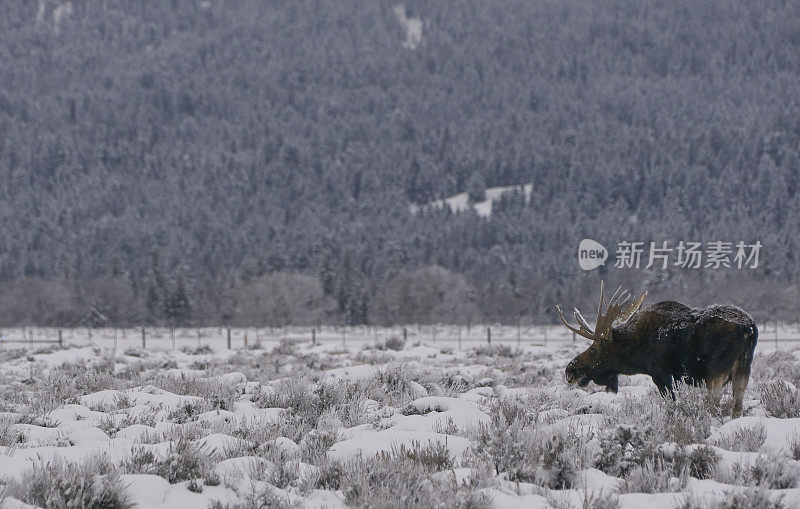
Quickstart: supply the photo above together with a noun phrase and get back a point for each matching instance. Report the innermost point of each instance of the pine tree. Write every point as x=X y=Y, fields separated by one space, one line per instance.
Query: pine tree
x=177 y=309
x=476 y=187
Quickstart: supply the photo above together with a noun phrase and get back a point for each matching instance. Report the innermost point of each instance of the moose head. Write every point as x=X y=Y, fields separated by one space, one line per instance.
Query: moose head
x=599 y=363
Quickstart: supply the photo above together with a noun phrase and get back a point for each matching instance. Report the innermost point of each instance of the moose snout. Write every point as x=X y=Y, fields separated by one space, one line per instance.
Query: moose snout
x=569 y=371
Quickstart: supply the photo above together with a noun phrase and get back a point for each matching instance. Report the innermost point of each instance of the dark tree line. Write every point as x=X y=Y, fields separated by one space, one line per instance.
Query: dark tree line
x=170 y=160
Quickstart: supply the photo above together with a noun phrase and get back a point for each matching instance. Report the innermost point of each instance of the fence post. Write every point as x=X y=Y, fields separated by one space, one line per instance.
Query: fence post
x=488 y=335
x=405 y=334
x=245 y=341
x=144 y=341
x=60 y=339
x=313 y=337
x=545 y=335
x=344 y=328
x=459 y=337
x=519 y=335
x=229 y=338
x=434 y=334
x=776 y=335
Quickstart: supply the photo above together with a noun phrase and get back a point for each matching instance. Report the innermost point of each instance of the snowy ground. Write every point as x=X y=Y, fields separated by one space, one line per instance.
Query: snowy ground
x=374 y=422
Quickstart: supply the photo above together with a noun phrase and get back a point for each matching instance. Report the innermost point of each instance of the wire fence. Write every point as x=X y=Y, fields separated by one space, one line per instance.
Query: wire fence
x=776 y=335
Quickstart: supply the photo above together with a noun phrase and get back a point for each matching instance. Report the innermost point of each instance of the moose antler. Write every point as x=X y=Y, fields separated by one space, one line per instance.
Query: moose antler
x=619 y=307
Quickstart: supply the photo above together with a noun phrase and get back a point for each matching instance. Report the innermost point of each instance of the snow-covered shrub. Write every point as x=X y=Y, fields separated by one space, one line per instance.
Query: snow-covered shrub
x=701 y=462
x=684 y=420
x=201 y=365
x=12 y=354
x=654 y=476
x=434 y=457
x=330 y=475
x=373 y=357
x=497 y=351
x=306 y=404
x=743 y=439
x=794 y=446
x=508 y=447
x=588 y=500
x=524 y=453
x=446 y=428
x=777 y=365
x=781 y=399
x=623 y=449
x=525 y=375
x=187 y=412
x=396 y=383
x=148 y=418
x=108 y=426
x=254 y=365
x=200 y=350
x=68 y=382
x=216 y=395
x=183 y=462
x=752 y=497
x=397 y=480
x=50 y=349
x=211 y=478
x=57 y=484
x=773 y=472
x=294 y=393
x=561 y=458
x=286 y=347
x=315 y=445
x=599 y=500
x=136 y=352
x=514 y=409
x=694 y=501
x=395 y=343
x=691 y=413
x=10 y=437
x=768 y=471
x=281 y=473
x=259 y=495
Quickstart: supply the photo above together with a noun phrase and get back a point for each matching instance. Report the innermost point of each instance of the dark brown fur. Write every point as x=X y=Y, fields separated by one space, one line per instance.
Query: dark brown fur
x=670 y=341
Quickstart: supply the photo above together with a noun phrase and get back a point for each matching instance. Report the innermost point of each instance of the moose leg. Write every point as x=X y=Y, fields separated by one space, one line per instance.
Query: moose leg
x=664 y=386
x=740 y=374
x=613 y=384
x=739 y=379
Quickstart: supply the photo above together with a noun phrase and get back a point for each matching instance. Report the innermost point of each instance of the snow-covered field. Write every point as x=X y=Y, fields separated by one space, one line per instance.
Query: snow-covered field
x=369 y=421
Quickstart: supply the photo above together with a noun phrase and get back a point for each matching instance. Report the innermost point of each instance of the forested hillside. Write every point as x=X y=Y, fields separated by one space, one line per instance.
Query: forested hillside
x=250 y=162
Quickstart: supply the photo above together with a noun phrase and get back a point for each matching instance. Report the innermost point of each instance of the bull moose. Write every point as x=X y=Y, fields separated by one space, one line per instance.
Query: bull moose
x=668 y=341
